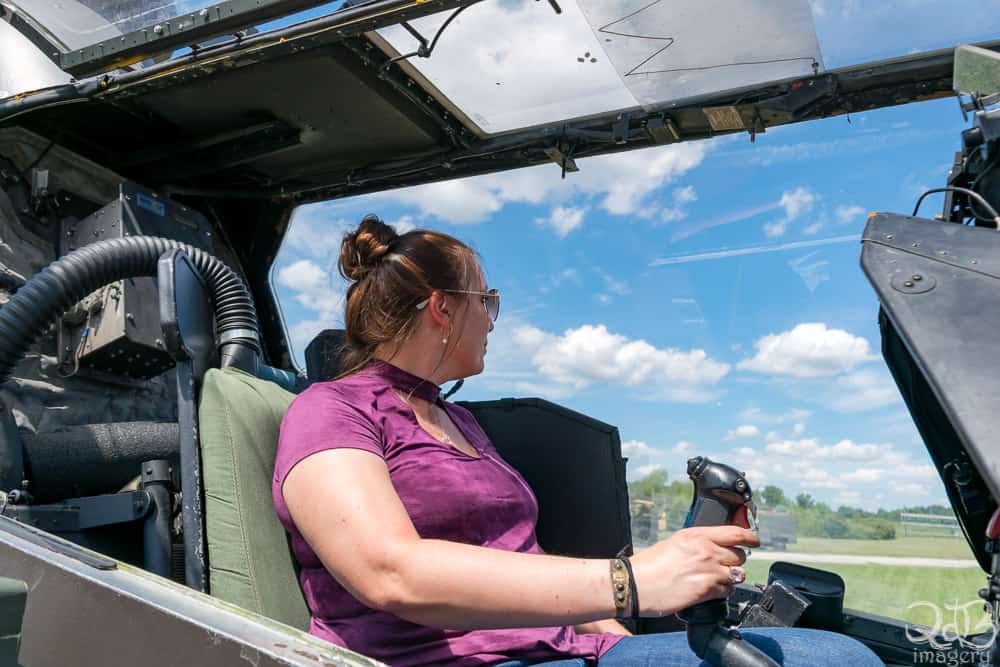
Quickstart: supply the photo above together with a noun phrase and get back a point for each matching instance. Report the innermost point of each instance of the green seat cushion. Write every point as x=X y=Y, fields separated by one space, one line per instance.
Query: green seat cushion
x=249 y=561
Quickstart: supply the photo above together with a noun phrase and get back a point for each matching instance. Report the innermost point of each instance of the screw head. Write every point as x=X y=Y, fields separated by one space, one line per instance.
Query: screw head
x=908 y=283
x=917 y=277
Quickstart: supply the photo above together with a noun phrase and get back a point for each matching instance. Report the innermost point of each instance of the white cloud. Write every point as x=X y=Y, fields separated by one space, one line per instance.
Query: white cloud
x=682 y=447
x=776 y=228
x=812 y=270
x=845 y=450
x=746 y=452
x=643 y=471
x=303 y=275
x=847 y=214
x=864 y=390
x=636 y=448
x=403 y=224
x=563 y=219
x=817 y=478
x=612 y=284
x=315 y=291
x=852 y=498
x=685 y=195
x=915 y=471
x=620 y=183
x=808 y=350
x=604 y=298
x=863 y=475
x=678 y=211
x=743 y=431
x=909 y=488
x=458 y=201
x=795 y=203
x=798 y=429
x=317 y=231
x=755 y=414
x=591 y=354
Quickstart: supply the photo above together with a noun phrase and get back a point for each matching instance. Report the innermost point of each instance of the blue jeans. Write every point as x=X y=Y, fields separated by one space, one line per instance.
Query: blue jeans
x=789 y=647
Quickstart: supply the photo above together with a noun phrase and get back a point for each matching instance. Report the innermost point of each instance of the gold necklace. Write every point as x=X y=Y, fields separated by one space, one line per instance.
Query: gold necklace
x=437 y=423
x=444 y=437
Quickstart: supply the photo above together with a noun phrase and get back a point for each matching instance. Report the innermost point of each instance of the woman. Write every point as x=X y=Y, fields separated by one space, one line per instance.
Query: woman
x=417 y=542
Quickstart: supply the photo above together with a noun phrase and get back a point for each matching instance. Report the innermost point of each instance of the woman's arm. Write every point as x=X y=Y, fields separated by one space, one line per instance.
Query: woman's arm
x=606 y=626
x=609 y=626
x=344 y=504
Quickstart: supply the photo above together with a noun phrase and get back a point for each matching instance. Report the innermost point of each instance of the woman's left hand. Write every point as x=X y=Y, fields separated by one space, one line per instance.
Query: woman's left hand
x=609 y=626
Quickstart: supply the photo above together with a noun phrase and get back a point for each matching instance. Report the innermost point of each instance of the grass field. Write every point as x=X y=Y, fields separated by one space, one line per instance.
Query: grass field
x=888 y=590
x=926 y=547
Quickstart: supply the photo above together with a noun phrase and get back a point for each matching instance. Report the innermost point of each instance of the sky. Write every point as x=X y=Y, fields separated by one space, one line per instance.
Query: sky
x=705 y=297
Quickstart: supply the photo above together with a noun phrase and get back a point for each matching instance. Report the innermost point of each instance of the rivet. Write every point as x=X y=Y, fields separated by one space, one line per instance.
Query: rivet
x=908 y=283
x=975 y=261
x=917 y=277
x=942 y=252
x=158 y=29
x=888 y=236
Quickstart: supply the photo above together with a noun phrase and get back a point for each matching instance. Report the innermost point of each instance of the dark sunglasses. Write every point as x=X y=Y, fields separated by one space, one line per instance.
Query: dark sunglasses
x=490 y=299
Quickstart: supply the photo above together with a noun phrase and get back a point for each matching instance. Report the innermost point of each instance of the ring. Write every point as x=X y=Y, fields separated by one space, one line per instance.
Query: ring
x=736 y=575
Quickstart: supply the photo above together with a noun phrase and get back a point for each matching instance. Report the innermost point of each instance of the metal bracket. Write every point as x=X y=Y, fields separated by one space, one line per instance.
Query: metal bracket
x=76 y=514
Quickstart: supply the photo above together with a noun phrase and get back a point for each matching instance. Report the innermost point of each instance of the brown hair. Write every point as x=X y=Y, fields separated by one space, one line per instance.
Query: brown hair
x=391 y=274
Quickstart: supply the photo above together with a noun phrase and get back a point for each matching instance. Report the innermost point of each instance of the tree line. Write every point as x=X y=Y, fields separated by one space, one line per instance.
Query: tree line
x=814 y=517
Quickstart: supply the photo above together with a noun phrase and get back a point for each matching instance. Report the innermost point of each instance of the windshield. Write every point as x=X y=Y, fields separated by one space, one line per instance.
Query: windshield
x=598 y=56
x=706 y=299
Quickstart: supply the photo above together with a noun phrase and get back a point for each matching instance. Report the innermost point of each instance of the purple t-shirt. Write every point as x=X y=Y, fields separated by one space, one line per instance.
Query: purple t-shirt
x=448 y=494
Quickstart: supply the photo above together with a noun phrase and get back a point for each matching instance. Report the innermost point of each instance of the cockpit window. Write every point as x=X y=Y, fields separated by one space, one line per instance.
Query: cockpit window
x=706 y=299
x=526 y=65
x=74 y=24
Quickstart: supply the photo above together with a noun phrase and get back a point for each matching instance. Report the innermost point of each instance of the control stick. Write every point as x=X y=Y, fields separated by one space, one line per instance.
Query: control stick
x=722 y=497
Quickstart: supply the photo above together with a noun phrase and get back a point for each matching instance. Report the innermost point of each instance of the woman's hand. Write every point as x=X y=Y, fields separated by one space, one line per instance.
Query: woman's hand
x=691 y=566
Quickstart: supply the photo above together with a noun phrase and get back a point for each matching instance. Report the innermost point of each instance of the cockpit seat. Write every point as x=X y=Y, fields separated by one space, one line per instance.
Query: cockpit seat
x=249 y=561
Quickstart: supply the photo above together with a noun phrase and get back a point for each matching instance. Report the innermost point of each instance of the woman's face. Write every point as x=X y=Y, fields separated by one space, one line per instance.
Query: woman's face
x=472 y=327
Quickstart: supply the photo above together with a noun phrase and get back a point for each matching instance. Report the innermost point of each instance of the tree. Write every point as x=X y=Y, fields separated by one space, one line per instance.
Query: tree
x=773 y=496
x=804 y=500
x=652 y=485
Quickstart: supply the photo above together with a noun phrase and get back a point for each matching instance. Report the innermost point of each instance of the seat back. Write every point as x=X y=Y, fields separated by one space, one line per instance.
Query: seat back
x=249 y=562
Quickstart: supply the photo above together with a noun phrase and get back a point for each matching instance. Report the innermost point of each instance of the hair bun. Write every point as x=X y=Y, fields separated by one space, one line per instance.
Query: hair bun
x=363 y=249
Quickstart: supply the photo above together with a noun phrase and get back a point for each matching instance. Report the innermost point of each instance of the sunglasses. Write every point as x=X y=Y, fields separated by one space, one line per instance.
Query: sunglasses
x=490 y=299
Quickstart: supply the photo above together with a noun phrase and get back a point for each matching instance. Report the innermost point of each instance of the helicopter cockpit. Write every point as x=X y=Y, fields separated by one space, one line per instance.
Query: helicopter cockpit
x=152 y=155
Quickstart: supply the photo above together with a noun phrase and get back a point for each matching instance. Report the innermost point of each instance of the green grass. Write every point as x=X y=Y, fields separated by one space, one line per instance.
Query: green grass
x=918 y=546
x=925 y=547
x=888 y=590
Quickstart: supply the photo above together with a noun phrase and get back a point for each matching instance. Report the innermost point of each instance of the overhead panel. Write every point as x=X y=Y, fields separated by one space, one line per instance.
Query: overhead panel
x=666 y=51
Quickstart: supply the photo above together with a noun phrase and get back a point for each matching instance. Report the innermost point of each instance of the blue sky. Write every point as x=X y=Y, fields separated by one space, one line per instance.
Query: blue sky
x=705 y=298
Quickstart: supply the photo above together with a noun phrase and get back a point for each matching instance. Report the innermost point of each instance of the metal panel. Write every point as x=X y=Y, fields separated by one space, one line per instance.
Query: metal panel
x=126 y=617
x=939 y=286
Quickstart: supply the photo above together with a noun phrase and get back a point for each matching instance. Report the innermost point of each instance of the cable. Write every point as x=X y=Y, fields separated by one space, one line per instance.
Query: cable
x=973 y=196
x=425 y=50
